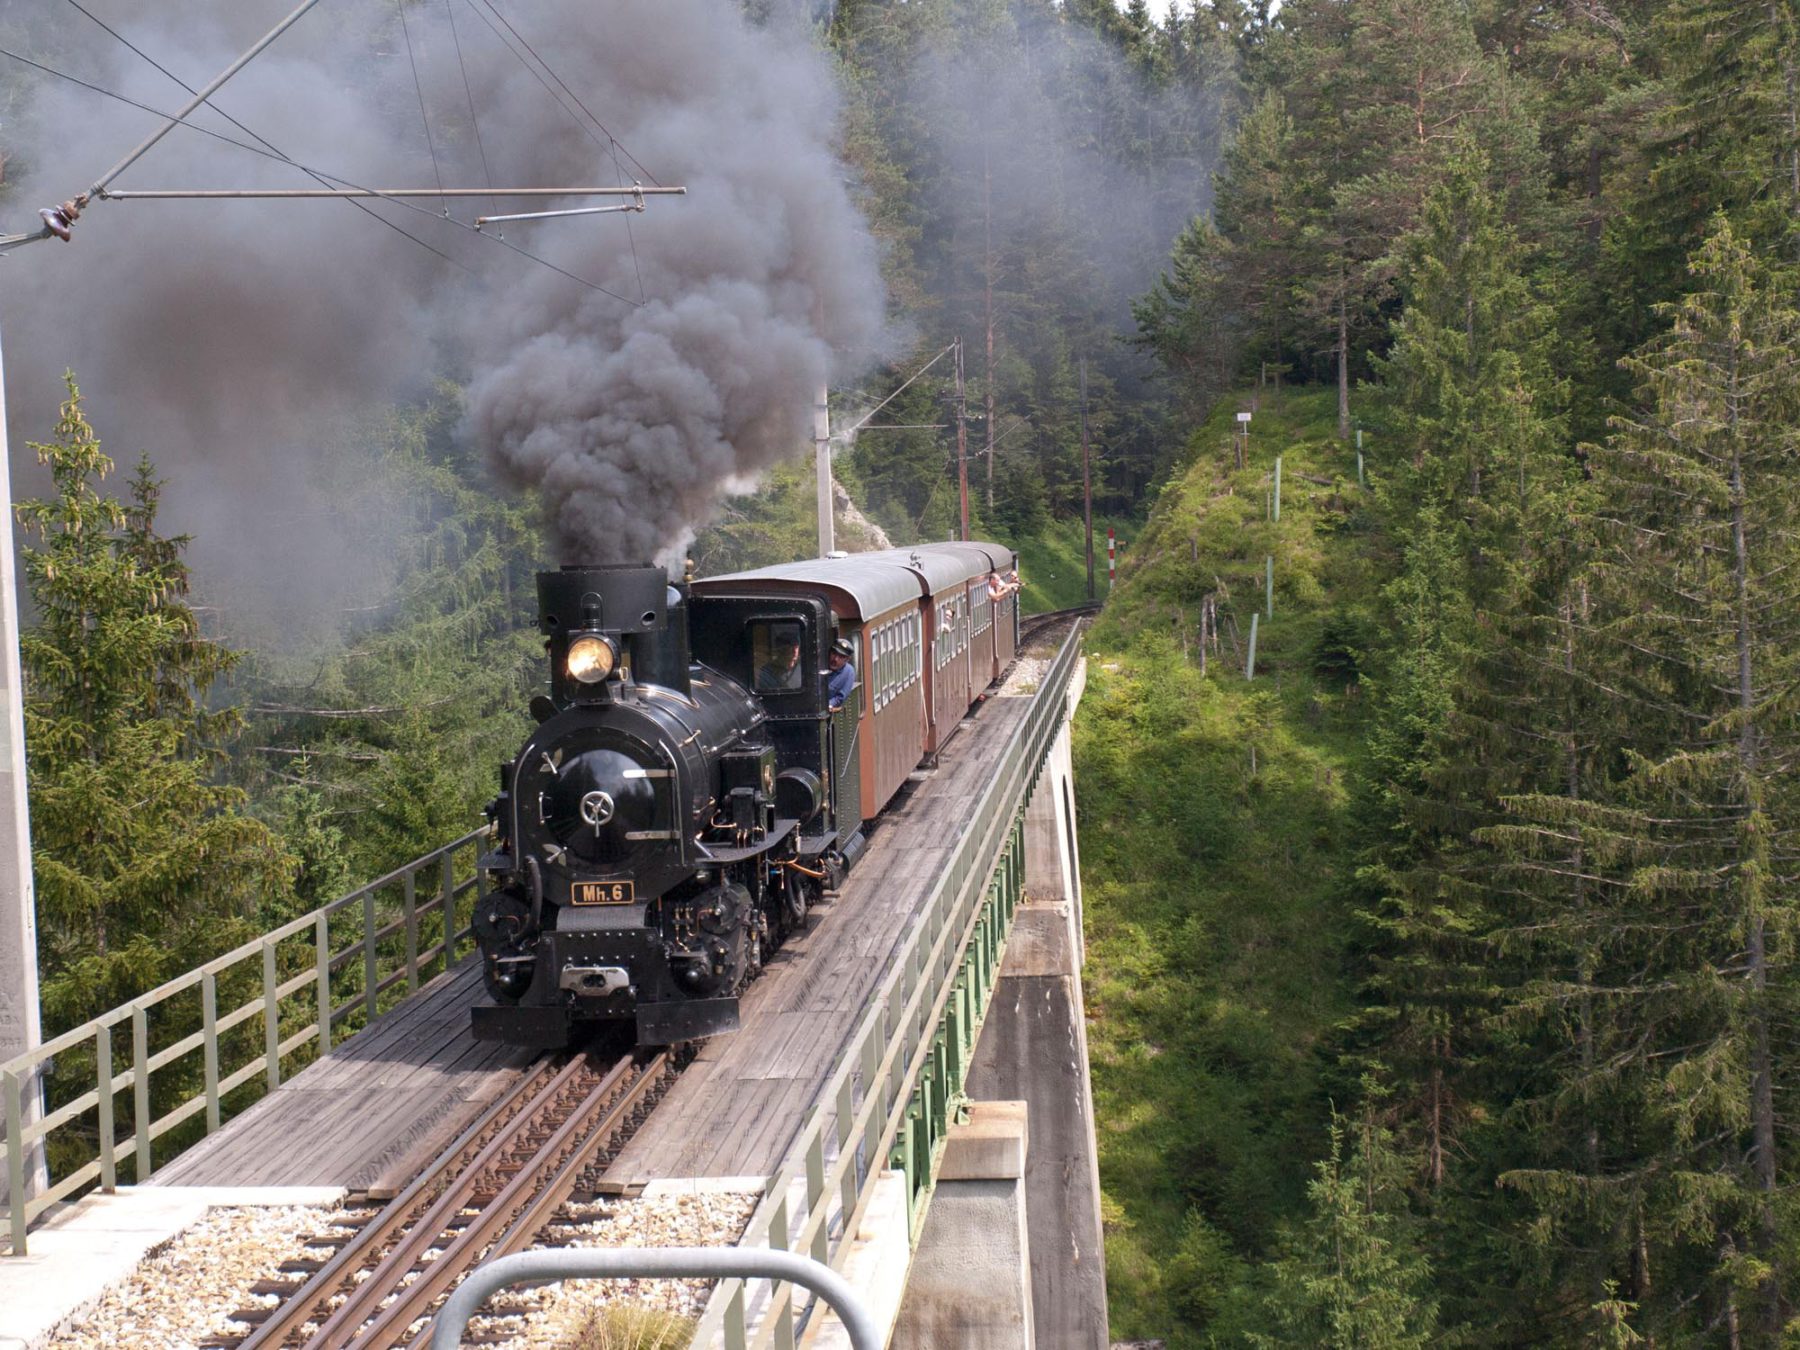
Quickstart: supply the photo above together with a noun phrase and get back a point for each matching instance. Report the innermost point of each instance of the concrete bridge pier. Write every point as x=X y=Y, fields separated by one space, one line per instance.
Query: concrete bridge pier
x=970 y=1284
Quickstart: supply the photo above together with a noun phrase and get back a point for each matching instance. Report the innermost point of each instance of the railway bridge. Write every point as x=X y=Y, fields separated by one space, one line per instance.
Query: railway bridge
x=907 y=1100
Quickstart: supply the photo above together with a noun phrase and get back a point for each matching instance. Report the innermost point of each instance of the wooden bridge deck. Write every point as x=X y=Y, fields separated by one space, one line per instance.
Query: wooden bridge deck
x=384 y=1100
x=738 y=1106
x=371 y=1106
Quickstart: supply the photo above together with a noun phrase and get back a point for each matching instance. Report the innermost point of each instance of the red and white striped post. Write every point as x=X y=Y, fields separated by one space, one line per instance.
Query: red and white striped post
x=1112 y=557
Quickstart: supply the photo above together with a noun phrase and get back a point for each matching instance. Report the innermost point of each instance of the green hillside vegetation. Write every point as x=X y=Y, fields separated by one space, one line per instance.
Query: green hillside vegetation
x=1217 y=846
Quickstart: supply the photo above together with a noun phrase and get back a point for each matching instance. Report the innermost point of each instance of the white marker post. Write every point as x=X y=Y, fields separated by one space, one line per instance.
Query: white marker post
x=1112 y=558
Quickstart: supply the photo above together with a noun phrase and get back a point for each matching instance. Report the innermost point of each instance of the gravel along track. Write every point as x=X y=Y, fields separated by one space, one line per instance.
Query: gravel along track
x=368 y=1275
x=183 y=1294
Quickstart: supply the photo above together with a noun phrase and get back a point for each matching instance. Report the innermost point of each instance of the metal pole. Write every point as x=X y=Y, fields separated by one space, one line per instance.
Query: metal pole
x=822 y=460
x=1087 y=485
x=962 y=443
x=1278 y=489
x=335 y=194
x=637 y=207
x=99 y=187
x=987 y=271
x=20 y=1029
x=574 y=1263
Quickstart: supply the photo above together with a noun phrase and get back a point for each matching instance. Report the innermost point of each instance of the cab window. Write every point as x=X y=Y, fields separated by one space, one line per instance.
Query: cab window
x=778 y=656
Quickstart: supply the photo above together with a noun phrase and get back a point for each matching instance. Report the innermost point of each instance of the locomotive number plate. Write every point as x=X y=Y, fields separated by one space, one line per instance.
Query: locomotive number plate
x=604 y=893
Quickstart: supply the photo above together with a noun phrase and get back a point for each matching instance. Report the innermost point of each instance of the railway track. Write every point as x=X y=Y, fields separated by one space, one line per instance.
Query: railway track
x=1032 y=624
x=489 y=1194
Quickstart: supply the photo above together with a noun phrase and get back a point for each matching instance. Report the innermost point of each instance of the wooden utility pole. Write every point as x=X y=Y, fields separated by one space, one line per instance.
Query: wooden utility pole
x=987 y=220
x=1087 y=484
x=962 y=442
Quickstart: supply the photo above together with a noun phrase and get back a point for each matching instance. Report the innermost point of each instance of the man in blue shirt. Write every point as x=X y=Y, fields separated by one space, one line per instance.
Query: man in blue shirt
x=843 y=675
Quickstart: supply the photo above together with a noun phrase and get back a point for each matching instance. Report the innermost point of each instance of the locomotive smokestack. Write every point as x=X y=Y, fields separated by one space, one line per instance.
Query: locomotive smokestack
x=630 y=605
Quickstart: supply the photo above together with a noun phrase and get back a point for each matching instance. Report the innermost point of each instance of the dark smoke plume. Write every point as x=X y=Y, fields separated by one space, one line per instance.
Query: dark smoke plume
x=228 y=340
x=239 y=343
x=758 y=289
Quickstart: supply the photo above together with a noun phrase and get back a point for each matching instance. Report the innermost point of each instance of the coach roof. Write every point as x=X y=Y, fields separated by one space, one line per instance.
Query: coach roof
x=877 y=582
x=938 y=567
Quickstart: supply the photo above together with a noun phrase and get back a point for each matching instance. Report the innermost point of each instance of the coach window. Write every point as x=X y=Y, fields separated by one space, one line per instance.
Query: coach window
x=775 y=656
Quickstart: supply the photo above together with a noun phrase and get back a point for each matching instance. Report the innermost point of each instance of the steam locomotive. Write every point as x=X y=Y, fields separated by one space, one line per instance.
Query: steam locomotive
x=689 y=794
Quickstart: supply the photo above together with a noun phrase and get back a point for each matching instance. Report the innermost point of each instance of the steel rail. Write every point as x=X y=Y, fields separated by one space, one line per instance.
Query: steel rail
x=514 y=1217
x=551 y=1106
x=413 y=1206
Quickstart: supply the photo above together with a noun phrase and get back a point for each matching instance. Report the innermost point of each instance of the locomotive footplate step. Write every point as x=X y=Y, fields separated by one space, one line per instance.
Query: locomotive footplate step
x=689 y=1019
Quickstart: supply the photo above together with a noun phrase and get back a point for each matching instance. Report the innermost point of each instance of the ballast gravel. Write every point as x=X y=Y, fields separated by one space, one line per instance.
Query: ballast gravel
x=557 y=1315
x=184 y=1292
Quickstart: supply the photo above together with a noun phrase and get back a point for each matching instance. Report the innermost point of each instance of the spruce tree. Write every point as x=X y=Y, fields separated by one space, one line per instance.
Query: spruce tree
x=1354 y=1276
x=1661 y=876
x=1469 y=385
x=142 y=862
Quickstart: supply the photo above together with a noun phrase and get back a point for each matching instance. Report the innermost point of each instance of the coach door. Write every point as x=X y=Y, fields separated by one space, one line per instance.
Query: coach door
x=846 y=744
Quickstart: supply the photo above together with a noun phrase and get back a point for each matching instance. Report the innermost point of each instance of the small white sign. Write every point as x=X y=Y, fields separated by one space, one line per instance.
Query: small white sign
x=1243 y=417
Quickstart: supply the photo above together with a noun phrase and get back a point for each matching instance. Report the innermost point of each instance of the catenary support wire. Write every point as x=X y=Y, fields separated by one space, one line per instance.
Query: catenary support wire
x=11 y=240
x=419 y=89
x=274 y=149
x=469 y=94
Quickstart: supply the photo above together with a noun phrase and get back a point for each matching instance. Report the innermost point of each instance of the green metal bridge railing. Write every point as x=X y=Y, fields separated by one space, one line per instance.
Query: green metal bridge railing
x=328 y=971
x=892 y=1097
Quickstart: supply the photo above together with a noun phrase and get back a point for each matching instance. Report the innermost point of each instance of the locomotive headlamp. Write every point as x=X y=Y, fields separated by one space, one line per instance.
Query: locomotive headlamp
x=591 y=659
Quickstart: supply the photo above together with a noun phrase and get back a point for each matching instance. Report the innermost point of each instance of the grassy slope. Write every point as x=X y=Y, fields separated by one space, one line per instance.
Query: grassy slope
x=1053 y=562
x=1214 y=921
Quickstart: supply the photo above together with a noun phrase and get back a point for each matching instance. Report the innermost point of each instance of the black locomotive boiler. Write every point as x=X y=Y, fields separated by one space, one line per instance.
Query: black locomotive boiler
x=679 y=808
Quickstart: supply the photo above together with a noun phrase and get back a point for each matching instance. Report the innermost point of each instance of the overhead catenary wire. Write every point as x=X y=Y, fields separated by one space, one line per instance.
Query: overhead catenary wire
x=858 y=425
x=419 y=89
x=533 y=71
x=183 y=84
x=317 y=172
x=571 y=93
x=630 y=236
x=469 y=94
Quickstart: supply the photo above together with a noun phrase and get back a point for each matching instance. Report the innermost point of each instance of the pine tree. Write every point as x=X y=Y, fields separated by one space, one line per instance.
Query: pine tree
x=142 y=862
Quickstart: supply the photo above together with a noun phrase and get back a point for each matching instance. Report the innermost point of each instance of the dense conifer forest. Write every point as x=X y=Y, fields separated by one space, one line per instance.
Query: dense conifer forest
x=1442 y=961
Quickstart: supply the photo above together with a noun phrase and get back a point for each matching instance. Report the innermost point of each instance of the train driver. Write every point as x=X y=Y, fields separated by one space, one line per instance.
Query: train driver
x=782 y=670
x=843 y=675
